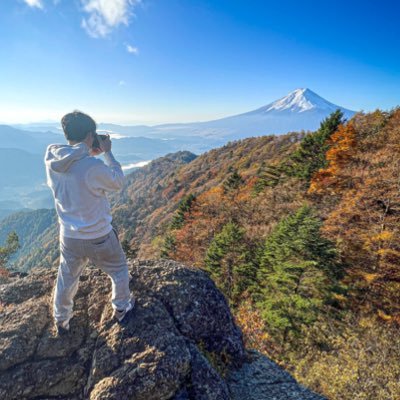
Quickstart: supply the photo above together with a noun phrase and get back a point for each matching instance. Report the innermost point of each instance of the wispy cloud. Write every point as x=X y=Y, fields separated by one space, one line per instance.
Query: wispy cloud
x=132 y=49
x=101 y=16
x=121 y=83
x=105 y=15
x=34 y=3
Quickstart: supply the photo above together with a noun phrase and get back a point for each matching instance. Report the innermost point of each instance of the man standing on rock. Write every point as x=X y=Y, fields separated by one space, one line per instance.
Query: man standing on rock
x=79 y=183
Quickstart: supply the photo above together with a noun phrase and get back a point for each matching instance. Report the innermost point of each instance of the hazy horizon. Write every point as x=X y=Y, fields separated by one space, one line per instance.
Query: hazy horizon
x=150 y=123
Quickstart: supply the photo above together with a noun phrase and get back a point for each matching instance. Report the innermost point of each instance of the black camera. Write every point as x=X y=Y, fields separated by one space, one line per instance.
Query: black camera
x=96 y=143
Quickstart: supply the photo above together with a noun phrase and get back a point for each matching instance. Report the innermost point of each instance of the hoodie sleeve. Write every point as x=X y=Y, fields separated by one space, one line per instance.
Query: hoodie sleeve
x=108 y=177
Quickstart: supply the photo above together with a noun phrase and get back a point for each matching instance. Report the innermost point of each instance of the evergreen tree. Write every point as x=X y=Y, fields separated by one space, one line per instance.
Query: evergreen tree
x=297 y=274
x=183 y=207
x=310 y=155
x=232 y=182
x=268 y=175
x=228 y=262
x=169 y=246
x=12 y=245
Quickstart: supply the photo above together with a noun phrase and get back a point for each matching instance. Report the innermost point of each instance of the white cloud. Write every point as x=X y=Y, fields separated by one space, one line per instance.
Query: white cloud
x=132 y=49
x=121 y=83
x=105 y=15
x=34 y=3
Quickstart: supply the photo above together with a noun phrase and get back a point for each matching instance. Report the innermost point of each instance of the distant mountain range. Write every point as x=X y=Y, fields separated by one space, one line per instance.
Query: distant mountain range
x=31 y=141
x=22 y=179
x=301 y=109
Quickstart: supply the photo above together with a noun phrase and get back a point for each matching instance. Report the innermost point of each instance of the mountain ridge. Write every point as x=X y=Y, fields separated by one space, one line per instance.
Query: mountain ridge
x=301 y=109
x=278 y=117
x=301 y=100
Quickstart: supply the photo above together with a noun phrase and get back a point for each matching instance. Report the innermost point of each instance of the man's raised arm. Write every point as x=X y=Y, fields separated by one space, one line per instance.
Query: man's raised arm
x=109 y=176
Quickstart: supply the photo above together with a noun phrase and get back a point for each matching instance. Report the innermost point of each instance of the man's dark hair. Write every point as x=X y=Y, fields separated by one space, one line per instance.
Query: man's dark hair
x=77 y=125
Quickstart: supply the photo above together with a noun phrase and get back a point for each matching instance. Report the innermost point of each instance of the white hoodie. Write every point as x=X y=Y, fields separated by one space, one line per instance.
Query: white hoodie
x=79 y=183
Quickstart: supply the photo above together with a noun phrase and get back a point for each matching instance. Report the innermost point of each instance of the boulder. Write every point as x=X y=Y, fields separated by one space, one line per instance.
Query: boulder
x=179 y=343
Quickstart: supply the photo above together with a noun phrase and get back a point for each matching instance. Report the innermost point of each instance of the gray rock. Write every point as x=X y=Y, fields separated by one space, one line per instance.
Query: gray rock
x=179 y=343
x=205 y=382
x=262 y=379
x=200 y=311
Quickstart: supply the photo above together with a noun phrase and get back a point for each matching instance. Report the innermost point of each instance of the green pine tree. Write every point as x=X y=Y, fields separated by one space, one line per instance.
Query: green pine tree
x=184 y=206
x=12 y=245
x=268 y=175
x=309 y=157
x=233 y=181
x=297 y=275
x=228 y=263
x=168 y=246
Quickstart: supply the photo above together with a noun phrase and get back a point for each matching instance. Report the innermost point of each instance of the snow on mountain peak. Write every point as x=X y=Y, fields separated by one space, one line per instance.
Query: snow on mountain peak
x=300 y=100
x=296 y=101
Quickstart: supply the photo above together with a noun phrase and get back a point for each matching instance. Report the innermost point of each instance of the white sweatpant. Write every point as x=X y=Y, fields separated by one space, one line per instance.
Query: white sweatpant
x=106 y=253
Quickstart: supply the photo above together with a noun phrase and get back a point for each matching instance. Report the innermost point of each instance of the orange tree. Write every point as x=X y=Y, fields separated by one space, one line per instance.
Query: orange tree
x=364 y=177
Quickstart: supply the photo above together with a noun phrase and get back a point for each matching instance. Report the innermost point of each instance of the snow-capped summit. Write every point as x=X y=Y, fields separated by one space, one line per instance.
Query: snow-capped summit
x=298 y=101
x=301 y=109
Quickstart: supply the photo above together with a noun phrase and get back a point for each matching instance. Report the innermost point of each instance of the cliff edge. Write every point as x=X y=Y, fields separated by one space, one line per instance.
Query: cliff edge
x=179 y=343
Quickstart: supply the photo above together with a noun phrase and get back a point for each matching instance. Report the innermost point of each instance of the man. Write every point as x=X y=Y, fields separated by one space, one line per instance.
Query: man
x=79 y=183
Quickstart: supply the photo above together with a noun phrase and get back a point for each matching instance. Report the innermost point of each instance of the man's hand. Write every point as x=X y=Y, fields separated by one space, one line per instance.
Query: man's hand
x=105 y=144
x=95 y=151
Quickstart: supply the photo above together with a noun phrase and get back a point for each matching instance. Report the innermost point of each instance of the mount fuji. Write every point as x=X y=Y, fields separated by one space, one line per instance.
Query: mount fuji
x=301 y=109
x=300 y=101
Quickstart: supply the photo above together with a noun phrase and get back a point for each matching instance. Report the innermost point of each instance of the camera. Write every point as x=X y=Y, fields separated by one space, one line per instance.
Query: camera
x=96 y=143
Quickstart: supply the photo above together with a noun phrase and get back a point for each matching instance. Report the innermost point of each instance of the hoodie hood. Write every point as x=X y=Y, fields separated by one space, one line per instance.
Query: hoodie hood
x=60 y=157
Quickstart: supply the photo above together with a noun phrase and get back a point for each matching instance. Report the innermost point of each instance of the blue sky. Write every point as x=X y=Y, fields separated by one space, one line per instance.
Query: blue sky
x=155 y=61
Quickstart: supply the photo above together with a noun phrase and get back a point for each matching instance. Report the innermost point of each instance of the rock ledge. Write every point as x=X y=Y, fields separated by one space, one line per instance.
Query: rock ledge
x=179 y=343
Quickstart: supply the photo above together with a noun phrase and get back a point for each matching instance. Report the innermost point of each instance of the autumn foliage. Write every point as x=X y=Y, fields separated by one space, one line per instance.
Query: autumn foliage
x=348 y=173
x=364 y=175
x=342 y=147
x=301 y=232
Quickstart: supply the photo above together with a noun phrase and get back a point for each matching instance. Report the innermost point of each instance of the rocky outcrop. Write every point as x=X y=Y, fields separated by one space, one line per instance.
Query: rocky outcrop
x=179 y=343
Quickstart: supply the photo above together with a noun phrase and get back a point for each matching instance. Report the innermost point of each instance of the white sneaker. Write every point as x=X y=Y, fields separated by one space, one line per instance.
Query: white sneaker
x=120 y=314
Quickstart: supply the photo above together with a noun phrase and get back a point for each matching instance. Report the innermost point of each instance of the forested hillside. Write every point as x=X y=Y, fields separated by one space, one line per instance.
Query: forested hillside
x=38 y=230
x=159 y=197
x=36 y=233
x=301 y=234
x=305 y=246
